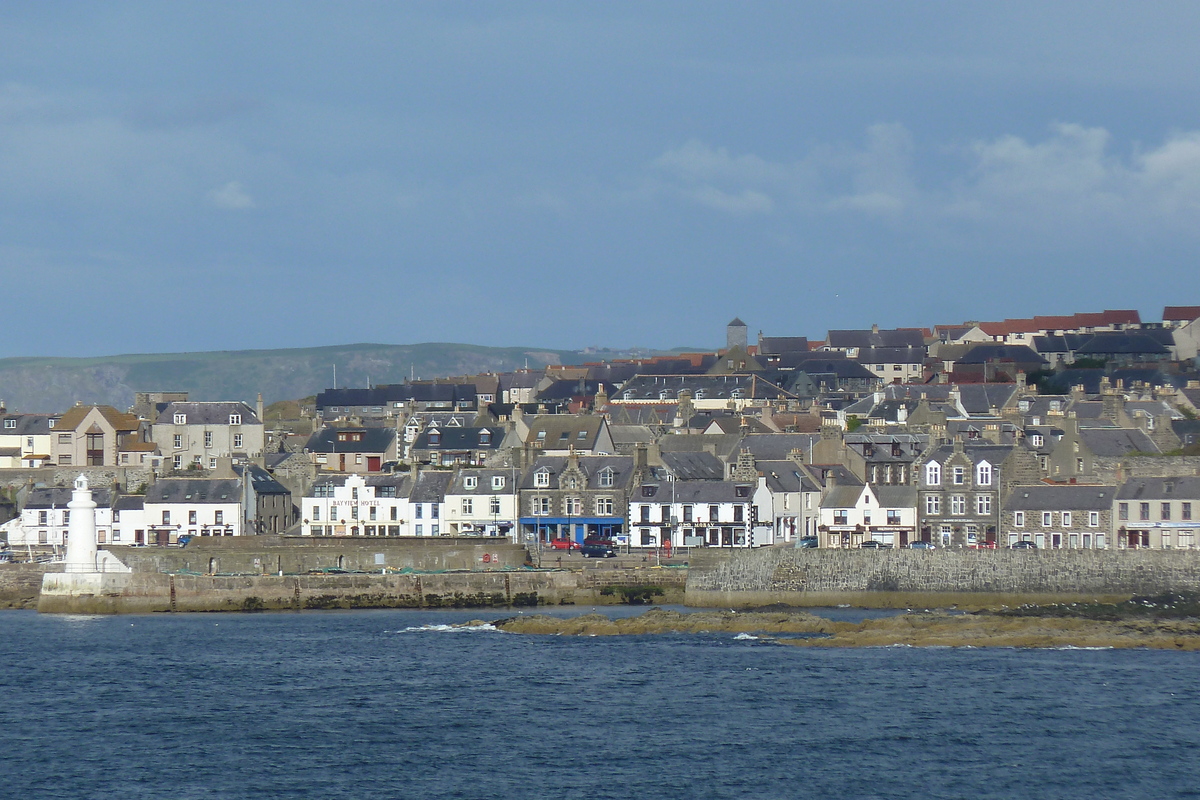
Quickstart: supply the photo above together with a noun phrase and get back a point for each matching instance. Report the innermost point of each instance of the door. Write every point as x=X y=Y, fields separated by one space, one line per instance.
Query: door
x=373 y=463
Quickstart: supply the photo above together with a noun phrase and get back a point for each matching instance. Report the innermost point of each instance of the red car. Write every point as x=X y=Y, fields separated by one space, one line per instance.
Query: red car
x=564 y=544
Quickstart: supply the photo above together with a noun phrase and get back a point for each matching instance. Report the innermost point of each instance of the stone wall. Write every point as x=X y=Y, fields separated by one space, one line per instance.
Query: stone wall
x=931 y=578
x=21 y=583
x=149 y=592
x=275 y=554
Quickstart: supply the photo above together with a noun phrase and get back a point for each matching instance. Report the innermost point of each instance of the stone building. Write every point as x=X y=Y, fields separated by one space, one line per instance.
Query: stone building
x=1059 y=516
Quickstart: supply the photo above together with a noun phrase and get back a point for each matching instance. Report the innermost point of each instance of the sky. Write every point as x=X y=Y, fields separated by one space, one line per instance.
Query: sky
x=229 y=175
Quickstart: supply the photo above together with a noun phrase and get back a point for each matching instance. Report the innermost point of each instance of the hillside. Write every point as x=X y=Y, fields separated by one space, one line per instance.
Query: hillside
x=54 y=384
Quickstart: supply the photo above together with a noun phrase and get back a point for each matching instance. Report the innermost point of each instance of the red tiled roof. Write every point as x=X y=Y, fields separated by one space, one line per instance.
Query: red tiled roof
x=1181 y=313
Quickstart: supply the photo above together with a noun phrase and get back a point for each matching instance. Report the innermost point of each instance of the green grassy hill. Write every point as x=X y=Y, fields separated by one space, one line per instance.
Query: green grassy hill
x=53 y=384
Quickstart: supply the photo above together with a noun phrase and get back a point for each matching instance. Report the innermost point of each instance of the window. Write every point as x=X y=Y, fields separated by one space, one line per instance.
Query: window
x=1036 y=440
x=43 y=517
x=218 y=517
x=574 y=506
x=605 y=478
x=582 y=436
x=64 y=438
x=687 y=513
x=181 y=419
x=353 y=512
x=1185 y=511
x=933 y=504
x=237 y=440
x=434 y=530
x=1093 y=519
x=191 y=518
x=958 y=504
x=1067 y=519
x=468 y=506
x=10 y=423
x=434 y=510
x=541 y=478
x=983 y=474
x=1047 y=519
x=738 y=511
x=1144 y=511
x=983 y=504
x=435 y=438
x=208 y=439
x=372 y=513
x=485 y=437
x=1165 y=511
x=604 y=506
x=741 y=491
x=235 y=419
x=166 y=518
x=212 y=463
x=714 y=513
x=933 y=474
x=420 y=530
x=494 y=508
x=893 y=517
x=1019 y=519
x=418 y=511
x=497 y=482
x=960 y=475
x=470 y=482
x=177 y=462
x=316 y=513
x=541 y=506
x=1122 y=510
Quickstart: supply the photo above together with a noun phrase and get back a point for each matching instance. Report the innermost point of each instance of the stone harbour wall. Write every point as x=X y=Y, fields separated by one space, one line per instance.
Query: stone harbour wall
x=908 y=578
x=21 y=583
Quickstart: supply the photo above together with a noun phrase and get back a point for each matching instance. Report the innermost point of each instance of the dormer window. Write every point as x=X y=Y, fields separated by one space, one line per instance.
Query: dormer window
x=664 y=394
x=983 y=474
x=933 y=474
x=699 y=395
x=235 y=419
x=181 y=419
x=1036 y=440
x=470 y=482
x=435 y=437
x=485 y=436
x=10 y=423
x=627 y=395
x=497 y=482
x=541 y=478
x=736 y=394
x=605 y=477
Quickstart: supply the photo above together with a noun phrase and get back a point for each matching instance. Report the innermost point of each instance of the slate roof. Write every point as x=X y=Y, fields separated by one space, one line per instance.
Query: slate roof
x=129 y=502
x=975 y=450
x=900 y=337
x=722 y=387
x=776 y=446
x=563 y=430
x=207 y=413
x=694 y=466
x=1122 y=344
x=453 y=438
x=1060 y=497
x=25 y=424
x=892 y=355
x=430 y=487
x=778 y=345
x=786 y=476
x=260 y=480
x=483 y=481
x=59 y=496
x=564 y=390
x=1116 y=441
x=1184 y=488
x=591 y=466
x=374 y=440
x=1016 y=353
x=698 y=492
x=194 y=490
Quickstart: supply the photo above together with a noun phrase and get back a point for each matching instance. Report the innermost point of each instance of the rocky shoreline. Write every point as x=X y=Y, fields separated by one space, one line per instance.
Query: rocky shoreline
x=1156 y=623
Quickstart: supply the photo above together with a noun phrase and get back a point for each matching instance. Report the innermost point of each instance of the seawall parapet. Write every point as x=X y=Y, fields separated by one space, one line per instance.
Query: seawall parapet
x=911 y=578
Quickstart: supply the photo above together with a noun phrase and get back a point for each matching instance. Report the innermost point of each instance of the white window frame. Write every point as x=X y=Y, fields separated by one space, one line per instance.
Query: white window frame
x=497 y=482
x=933 y=474
x=1018 y=519
x=1047 y=519
x=541 y=478
x=470 y=482
x=983 y=474
x=181 y=419
x=1093 y=519
x=1067 y=519
x=235 y=419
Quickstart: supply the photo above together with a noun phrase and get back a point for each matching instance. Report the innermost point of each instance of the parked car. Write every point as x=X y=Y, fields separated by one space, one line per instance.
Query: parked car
x=875 y=544
x=1022 y=546
x=593 y=550
x=807 y=542
x=921 y=546
x=564 y=544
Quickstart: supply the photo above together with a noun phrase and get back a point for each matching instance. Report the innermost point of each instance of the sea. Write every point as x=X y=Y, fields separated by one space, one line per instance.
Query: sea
x=398 y=704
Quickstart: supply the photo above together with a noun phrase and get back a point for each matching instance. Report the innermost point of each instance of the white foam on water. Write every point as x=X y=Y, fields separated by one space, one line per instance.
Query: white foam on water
x=486 y=626
x=1074 y=647
x=746 y=637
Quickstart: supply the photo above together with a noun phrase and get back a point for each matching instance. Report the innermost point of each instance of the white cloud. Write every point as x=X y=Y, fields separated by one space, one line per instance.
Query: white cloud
x=232 y=196
x=1072 y=182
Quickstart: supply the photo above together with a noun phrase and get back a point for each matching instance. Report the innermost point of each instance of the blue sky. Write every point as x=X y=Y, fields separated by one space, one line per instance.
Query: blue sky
x=203 y=176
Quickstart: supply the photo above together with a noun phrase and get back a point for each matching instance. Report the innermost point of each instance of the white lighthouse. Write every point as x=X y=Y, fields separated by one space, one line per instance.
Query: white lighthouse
x=81 y=529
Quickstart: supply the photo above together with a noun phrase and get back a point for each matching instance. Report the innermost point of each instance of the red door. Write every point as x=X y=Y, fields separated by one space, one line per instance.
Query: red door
x=373 y=463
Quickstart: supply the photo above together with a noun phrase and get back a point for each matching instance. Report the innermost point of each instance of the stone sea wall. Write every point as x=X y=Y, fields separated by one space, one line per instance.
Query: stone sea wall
x=908 y=578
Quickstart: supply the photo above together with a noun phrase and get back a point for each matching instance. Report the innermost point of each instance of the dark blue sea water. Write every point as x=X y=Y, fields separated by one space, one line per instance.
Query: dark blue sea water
x=358 y=705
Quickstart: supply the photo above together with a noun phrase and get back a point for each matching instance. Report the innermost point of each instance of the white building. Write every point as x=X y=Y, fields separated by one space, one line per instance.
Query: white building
x=46 y=518
x=190 y=433
x=695 y=514
x=192 y=506
x=357 y=505
x=851 y=515
x=481 y=502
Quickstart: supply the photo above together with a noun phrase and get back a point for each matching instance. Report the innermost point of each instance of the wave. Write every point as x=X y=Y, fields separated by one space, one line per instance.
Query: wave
x=485 y=626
